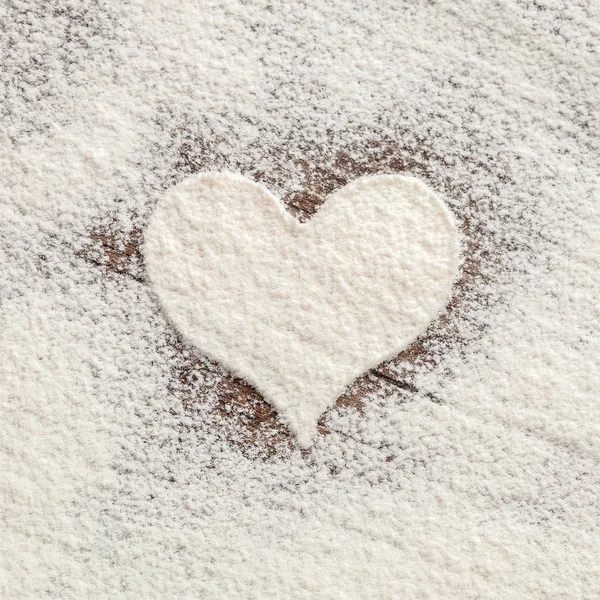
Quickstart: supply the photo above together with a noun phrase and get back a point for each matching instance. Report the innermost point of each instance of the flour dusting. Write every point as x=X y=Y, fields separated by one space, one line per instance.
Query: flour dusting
x=464 y=468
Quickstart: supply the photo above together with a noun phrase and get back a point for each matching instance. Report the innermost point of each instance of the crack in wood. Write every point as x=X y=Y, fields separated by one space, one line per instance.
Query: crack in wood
x=405 y=386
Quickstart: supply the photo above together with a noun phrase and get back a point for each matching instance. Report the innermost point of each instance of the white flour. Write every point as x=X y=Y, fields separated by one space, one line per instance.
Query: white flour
x=479 y=480
x=301 y=310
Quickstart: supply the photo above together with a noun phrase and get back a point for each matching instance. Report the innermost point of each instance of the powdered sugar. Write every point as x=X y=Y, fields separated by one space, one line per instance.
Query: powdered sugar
x=477 y=479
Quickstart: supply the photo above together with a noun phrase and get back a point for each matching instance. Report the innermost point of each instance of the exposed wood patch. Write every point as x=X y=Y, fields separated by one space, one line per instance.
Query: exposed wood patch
x=247 y=421
x=115 y=251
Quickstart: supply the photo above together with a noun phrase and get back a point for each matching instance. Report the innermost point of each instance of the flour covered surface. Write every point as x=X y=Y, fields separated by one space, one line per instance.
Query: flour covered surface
x=301 y=310
x=135 y=464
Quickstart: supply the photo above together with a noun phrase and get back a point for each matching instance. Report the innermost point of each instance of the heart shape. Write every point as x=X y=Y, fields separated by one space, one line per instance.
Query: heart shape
x=301 y=310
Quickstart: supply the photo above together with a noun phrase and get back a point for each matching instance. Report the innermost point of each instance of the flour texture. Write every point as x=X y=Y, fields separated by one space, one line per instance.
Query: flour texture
x=301 y=310
x=133 y=465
